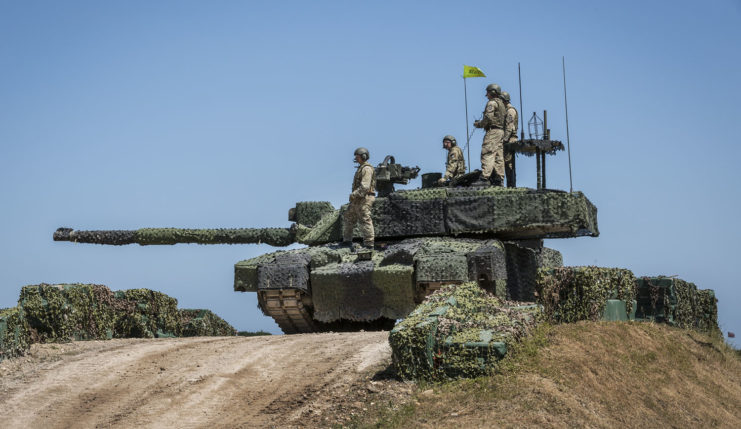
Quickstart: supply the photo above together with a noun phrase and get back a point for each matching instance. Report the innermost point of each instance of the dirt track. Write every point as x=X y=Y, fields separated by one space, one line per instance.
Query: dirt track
x=188 y=382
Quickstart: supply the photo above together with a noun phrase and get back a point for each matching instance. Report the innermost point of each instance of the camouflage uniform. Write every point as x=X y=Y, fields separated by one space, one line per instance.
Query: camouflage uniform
x=492 y=156
x=456 y=165
x=510 y=135
x=361 y=201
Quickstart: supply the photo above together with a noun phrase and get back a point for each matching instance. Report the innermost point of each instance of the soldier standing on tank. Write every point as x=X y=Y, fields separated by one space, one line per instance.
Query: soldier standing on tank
x=361 y=200
x=456 y=165
x=510 y=136
x=492 y=121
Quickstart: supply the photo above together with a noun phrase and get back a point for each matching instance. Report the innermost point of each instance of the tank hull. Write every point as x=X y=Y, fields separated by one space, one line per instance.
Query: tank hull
x=328 y=287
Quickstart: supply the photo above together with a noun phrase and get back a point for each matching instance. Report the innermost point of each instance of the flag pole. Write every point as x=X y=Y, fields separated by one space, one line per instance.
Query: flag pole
x=468 y=137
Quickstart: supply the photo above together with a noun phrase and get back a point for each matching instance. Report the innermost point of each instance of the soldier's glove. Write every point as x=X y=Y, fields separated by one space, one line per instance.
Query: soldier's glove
x=440 y=181
x=477 y=124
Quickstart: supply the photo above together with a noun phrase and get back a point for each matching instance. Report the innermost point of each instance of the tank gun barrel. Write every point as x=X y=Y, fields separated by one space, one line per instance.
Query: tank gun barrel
x=278 y=237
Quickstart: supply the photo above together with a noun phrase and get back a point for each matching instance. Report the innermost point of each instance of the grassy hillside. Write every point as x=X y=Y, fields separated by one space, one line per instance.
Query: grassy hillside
x=588 y=374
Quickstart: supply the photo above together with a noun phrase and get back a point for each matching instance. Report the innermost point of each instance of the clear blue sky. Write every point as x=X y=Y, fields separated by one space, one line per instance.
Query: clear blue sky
x=121 y=115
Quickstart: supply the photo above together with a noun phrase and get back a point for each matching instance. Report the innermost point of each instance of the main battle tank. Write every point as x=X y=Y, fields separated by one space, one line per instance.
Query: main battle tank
x=424 y=238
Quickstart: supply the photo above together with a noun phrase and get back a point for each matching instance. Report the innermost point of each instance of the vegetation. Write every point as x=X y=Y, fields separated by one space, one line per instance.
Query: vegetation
x=587 y=374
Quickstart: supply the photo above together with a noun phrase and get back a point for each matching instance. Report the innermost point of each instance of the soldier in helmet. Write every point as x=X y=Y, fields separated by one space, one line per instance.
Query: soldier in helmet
x=361 y=200
x=456 y=165
x=493 y=122
x=510 y=135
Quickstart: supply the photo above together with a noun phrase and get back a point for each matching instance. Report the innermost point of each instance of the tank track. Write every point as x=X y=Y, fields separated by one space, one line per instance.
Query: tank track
x=287 y=308
x=292 y=311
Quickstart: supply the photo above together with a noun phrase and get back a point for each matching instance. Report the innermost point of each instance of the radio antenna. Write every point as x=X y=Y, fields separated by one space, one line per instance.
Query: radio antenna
x=566 y=104
x=522 y=119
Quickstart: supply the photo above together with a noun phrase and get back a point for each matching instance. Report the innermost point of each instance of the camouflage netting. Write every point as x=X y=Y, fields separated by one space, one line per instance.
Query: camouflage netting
x=505 y=213
x=68 y=312
x=201 y=323
x=272 y=236
x=93 y=312
x=310 y=212
x=156 y=236
x=509 y=213
x=113 y=237
x=676 y=302
x=459 y=331
x=144 y=313
x=328 y=228
x=524 y=258
x=570 y=294
x=362 y=291
x=398 y=276
x=14 y=338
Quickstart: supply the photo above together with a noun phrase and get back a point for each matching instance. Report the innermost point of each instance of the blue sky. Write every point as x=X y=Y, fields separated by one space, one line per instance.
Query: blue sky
x=121 y=115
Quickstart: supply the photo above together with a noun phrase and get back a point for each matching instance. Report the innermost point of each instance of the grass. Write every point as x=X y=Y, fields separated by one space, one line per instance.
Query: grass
x=603 y=374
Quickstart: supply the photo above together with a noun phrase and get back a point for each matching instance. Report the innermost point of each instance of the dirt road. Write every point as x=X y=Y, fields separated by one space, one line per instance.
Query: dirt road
x=278 y=381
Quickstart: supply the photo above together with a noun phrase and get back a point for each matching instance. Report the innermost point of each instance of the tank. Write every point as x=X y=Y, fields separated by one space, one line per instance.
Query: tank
x=425 y=238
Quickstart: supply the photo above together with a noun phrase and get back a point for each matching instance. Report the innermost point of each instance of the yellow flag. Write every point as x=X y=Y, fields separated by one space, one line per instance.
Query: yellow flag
x=470 y=71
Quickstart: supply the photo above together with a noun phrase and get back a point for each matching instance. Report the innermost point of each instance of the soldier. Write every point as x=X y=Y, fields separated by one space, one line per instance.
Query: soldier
x=456 y=165
x=361 y=200
x=510 y=135
x=492 y=156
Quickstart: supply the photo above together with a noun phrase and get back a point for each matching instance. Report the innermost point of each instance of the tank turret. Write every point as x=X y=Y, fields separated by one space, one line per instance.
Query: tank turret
x=424 y=238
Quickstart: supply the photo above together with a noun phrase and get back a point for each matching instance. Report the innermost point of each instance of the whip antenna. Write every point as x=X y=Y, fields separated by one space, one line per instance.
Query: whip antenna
x=566 y=104
x=522 y=119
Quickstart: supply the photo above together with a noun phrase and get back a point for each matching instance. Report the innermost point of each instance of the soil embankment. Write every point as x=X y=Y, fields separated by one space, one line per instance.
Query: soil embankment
x=187 y=382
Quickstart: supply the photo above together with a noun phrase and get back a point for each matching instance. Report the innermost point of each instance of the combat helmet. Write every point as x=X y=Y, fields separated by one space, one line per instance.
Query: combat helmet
x=505 y=96
x=493 y=87
x=363 y=152
x=451 y=138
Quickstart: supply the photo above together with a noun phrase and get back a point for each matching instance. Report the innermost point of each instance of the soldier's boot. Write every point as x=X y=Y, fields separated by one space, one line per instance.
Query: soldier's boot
x=483 y=181
x=364 y=252
x=496 y=180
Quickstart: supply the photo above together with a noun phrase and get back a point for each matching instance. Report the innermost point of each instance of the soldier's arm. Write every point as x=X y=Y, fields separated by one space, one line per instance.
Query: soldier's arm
x=511 y=124
x=366 y=177
x=489 y=113
x=450 y=165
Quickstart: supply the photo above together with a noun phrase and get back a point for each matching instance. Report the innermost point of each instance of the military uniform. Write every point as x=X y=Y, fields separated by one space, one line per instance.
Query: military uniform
x=456 y=165
x=510 y=135
x=492 y=156
x=361 y=200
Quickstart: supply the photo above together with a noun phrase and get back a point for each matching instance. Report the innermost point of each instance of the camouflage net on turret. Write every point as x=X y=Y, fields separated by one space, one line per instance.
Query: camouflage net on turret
x=508 y=213
x=14 y=338
x=308 y=213
x=570 y=294
x=459 y=331
x=203 y=323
